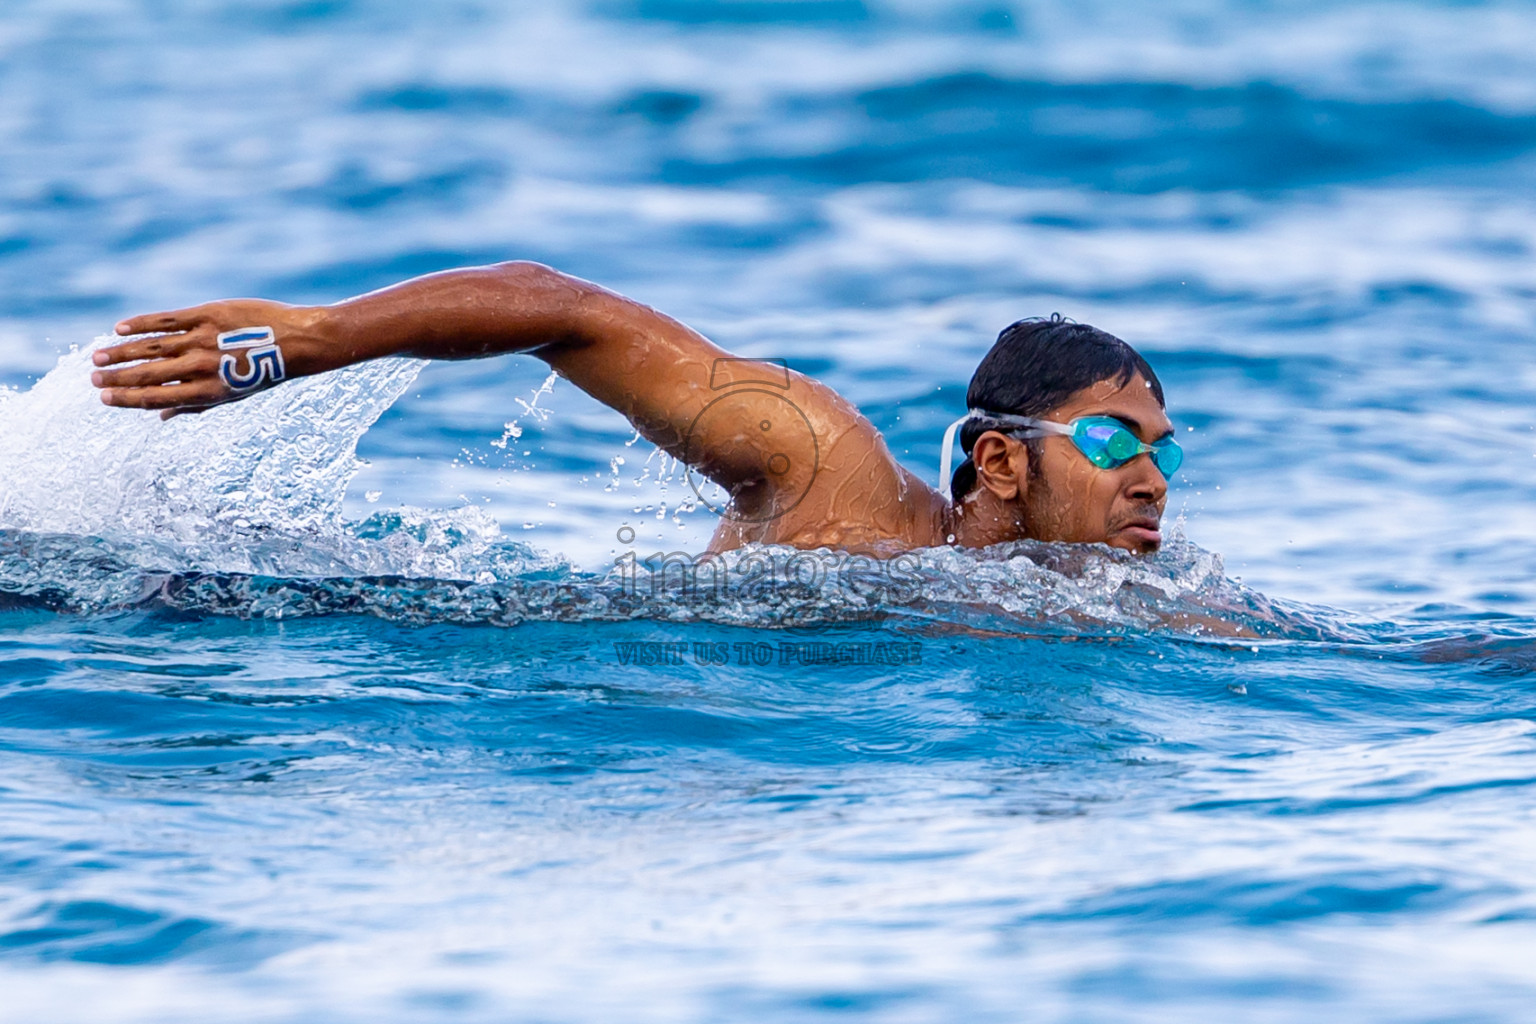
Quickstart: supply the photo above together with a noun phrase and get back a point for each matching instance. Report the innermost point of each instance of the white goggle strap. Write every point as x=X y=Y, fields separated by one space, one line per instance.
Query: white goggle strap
x=947 y=451
x=1006 y=419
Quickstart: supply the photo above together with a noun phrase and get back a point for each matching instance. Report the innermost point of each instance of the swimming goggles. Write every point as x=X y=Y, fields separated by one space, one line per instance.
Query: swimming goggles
x=1103 y=440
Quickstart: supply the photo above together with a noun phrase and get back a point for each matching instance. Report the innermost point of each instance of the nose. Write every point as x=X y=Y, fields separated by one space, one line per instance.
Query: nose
x=1146 y=483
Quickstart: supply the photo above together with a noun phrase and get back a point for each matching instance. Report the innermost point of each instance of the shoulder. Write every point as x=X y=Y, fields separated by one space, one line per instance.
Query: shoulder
x=851 y=492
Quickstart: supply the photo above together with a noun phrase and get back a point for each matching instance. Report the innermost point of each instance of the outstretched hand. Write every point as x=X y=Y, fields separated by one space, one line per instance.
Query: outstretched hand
x=182 y=367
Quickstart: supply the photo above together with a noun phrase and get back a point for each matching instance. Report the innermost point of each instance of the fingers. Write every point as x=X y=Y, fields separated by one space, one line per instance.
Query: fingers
x=200 y=394
x=186 y=368
x=149 y=348
x=163 y=323
x=176 y=367
x=172 y=328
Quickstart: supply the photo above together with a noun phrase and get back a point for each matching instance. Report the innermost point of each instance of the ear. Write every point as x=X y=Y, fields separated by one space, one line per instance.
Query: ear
x=1002 y=465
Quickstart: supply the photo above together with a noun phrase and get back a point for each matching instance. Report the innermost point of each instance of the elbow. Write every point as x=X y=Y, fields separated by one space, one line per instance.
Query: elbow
x=542 y=287
x=551 y=306
x=527 y=273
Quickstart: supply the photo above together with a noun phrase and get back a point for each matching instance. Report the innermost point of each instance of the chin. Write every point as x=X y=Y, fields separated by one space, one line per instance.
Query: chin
x=1136 y=541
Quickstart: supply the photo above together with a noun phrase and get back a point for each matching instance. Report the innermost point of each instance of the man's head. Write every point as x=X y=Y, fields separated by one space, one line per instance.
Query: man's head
x=1061 y=371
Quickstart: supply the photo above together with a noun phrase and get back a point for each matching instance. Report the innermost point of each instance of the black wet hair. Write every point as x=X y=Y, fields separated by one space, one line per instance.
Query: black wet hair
x=1035 y=366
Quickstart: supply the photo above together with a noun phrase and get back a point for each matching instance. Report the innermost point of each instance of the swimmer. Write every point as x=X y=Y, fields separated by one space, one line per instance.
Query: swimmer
x=1066 y=436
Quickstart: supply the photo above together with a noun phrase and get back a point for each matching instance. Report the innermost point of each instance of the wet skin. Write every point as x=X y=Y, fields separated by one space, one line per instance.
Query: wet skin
x=1064 y=497
x=802 y=465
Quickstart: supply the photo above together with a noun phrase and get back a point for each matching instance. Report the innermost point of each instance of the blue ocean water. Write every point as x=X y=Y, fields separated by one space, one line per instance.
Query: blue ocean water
x=358 y=701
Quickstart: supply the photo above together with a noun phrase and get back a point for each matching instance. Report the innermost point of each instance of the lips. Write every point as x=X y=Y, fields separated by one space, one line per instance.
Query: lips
x=1143 y=530
x=1144 y=534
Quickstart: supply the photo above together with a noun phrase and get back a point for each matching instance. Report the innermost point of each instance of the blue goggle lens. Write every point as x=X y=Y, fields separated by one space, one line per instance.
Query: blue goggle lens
x=1108 y=444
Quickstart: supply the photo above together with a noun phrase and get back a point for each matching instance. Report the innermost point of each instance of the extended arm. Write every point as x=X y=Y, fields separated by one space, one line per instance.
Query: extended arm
x=659 y=373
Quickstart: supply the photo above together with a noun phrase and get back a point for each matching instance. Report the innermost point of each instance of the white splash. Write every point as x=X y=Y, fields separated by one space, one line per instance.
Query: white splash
x=281 y=459
x=512 y=430
x=254 y=486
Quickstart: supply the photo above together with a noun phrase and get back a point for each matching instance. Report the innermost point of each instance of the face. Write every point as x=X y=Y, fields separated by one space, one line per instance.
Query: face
x=1070 y=499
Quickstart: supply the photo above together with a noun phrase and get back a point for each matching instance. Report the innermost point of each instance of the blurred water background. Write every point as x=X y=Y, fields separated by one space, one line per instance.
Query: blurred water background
x=287 y=738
